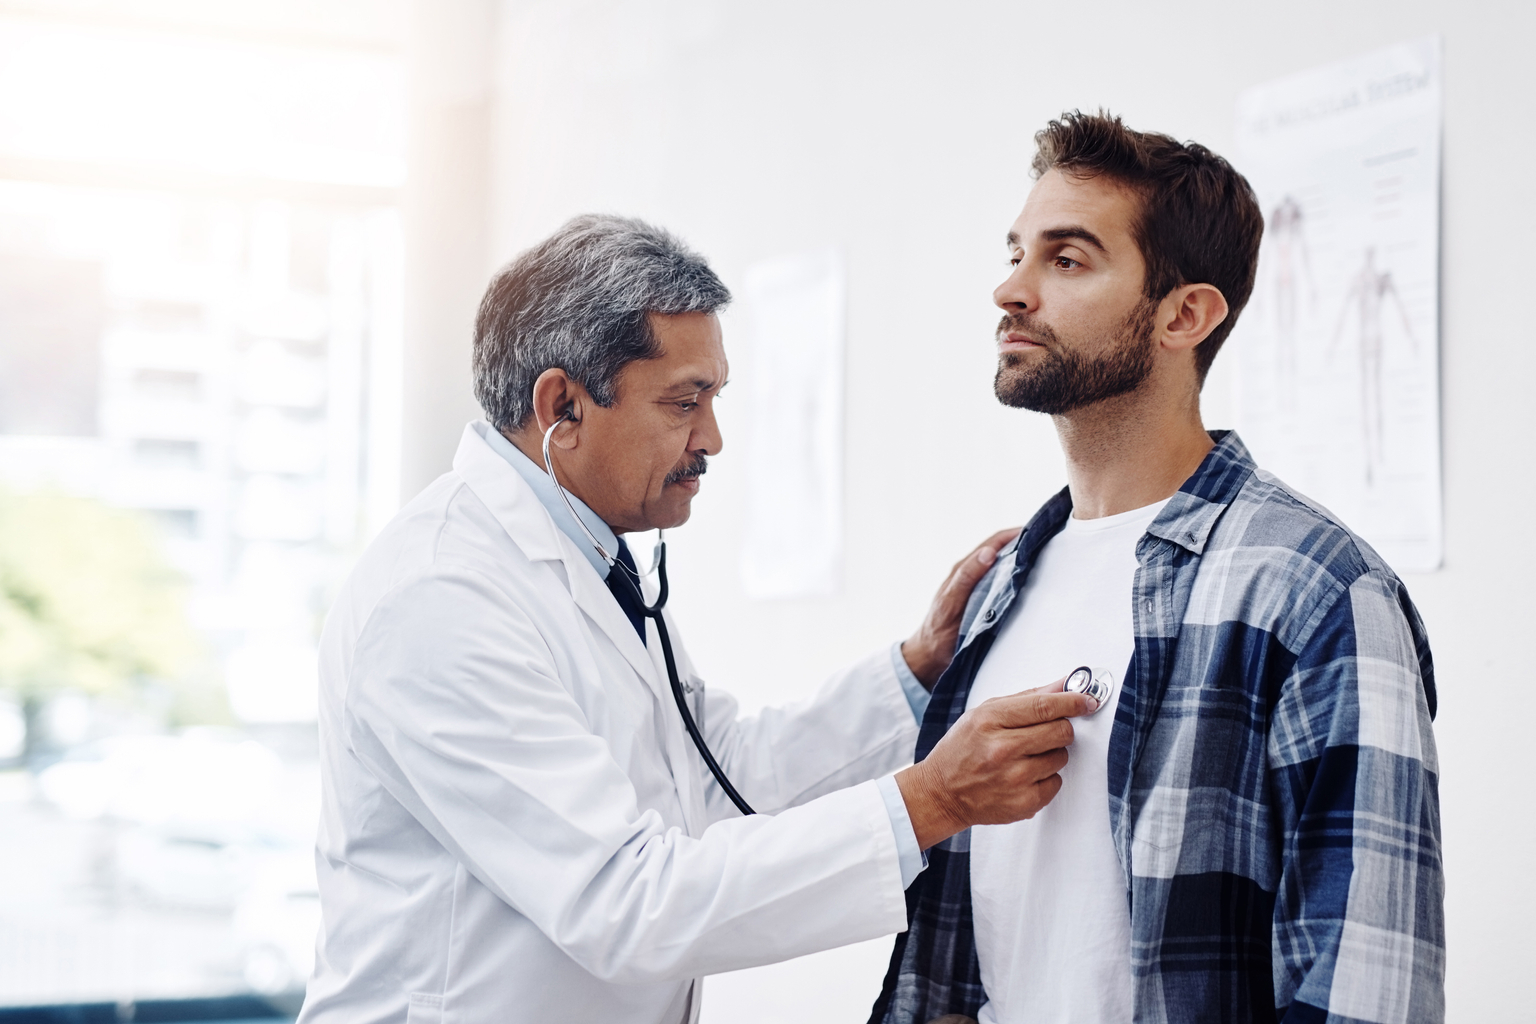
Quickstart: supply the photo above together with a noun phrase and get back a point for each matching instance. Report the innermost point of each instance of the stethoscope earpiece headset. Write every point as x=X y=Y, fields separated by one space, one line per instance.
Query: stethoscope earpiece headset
x=623 y=577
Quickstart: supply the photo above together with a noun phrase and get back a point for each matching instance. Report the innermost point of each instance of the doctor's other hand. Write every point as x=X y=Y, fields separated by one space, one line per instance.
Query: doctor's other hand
x=927 y=651
x=1000 y=763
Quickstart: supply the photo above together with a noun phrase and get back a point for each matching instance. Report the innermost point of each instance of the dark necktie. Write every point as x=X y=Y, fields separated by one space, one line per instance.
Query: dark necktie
x=628 y=597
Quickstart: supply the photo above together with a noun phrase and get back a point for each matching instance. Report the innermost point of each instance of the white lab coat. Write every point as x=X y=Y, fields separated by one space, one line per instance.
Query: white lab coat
x=515 y=826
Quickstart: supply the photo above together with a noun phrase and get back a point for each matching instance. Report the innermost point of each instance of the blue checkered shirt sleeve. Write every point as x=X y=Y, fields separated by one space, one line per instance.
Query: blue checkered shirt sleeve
x=1358 y=932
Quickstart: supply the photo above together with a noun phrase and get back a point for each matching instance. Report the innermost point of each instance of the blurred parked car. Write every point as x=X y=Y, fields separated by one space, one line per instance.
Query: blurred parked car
x=276 y=924
x=203 y=821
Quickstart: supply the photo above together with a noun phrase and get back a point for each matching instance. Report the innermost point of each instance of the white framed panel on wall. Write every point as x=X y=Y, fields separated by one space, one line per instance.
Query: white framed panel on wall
x=1338 y=354
x=794 y=541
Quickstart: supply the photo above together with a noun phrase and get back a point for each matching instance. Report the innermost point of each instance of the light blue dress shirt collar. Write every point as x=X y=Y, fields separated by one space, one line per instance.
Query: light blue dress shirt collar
x=544 y=489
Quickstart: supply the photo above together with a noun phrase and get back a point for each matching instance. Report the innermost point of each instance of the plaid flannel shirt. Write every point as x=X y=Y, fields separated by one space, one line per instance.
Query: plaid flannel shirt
x=1272 y=773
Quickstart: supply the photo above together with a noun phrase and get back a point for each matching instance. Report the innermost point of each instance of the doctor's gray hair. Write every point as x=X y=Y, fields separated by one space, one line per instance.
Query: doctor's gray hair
x=580 y=300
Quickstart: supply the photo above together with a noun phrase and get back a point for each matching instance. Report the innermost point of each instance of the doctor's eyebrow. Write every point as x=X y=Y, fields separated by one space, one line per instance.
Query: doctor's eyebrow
x=1071 y=233
x=690 y=387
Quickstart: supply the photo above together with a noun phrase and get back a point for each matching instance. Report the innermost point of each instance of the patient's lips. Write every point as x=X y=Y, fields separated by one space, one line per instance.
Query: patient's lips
x=1016 y=341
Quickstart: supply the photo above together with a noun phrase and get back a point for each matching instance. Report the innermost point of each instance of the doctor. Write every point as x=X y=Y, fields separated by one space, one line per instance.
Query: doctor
x=515 y=825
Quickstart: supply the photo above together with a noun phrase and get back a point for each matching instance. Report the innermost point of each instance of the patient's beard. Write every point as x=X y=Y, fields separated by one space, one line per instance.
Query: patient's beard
x=1063 y=380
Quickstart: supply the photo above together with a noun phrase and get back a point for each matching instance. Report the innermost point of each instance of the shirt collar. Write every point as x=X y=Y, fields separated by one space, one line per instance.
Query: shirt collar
x=549 y=497
x=1187 y=519
x=1191 y=514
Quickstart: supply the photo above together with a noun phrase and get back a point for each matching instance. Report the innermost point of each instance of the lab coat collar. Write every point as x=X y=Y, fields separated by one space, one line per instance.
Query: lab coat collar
x=528 y=522
x=548 y=494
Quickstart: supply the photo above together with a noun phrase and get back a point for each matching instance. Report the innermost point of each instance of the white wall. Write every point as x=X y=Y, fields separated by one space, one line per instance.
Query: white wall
x=902 y=133
x=450 y=48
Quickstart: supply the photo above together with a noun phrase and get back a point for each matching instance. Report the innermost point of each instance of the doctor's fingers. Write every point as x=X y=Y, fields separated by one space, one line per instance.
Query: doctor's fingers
x=1027 y=785
x=955 y=591
x=982 y=747
x=1002 y=745
x=1030 y=799
x=1056 y=687
x=963 y=577
x=1032 y=707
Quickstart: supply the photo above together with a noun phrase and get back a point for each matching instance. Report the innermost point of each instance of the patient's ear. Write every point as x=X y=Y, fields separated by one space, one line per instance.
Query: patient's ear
x=1188 y=314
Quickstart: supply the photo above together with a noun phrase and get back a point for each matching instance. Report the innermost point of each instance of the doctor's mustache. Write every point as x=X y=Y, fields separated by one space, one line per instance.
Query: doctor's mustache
x=697 y=466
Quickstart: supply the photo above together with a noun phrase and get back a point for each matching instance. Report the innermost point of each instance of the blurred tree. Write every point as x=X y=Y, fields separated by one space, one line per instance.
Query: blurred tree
x=87 y=602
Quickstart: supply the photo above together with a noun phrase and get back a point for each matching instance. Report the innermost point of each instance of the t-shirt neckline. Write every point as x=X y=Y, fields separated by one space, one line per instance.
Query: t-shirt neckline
x=1143 y=516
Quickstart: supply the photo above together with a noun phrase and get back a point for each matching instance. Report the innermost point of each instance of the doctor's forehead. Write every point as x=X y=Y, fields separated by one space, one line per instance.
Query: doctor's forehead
x=692 y=356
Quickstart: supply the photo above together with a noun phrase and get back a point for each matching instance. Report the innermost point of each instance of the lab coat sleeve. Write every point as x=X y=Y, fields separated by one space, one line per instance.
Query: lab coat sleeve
x=857 y=726
x=454 y=703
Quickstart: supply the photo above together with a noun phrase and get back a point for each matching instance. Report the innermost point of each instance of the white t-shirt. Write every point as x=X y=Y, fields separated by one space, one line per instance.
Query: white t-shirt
x=1052 y=928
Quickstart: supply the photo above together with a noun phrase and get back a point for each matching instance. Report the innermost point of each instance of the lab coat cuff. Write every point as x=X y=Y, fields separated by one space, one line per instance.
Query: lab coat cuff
x=917 y=695
x=911 y=859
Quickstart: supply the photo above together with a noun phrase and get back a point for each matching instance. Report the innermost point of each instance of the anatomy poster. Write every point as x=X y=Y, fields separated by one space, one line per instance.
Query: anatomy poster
x=794 y=541
x=1338 y=351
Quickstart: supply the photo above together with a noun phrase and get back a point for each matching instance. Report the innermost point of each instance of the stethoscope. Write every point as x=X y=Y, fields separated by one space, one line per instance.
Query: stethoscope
x=653 y=612
x=1097 y=683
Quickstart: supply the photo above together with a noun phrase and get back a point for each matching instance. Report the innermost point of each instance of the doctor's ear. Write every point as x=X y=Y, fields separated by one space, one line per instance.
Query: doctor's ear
x=559 y=400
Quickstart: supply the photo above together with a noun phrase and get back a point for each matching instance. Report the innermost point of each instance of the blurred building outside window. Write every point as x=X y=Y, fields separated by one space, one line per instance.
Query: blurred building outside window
x=200 y=290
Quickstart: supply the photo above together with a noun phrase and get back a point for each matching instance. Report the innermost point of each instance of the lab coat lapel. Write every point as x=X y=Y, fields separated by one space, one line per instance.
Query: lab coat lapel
x=593 y=597
x=528 y=523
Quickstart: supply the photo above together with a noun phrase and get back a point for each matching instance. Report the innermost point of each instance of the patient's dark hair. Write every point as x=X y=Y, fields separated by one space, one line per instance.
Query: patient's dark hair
x=1199 y=221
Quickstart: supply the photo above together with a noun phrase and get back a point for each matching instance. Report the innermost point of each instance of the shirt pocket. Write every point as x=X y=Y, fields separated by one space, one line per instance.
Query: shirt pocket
x=424 y=1009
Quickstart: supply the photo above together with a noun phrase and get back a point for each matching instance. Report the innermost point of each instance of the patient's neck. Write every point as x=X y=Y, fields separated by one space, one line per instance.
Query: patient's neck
x=1131 y=451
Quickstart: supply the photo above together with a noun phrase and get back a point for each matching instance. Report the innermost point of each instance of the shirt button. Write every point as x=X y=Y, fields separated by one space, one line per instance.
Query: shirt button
x=991 y=614
x=1147 y=605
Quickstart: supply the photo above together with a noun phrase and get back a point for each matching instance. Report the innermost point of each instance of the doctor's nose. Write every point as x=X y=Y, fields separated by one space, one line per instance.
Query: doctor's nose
x=706 y=435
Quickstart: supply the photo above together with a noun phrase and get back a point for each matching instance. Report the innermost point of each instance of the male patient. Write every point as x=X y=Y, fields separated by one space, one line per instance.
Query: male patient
x=1249 y=828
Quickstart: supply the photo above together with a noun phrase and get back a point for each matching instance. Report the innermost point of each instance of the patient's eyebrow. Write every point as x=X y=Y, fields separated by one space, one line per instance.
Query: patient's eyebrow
x=1070 y=233
x=1077 y=233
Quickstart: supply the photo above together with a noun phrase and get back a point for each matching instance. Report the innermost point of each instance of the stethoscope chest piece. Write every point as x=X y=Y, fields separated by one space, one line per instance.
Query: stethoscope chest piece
x=1098 y=683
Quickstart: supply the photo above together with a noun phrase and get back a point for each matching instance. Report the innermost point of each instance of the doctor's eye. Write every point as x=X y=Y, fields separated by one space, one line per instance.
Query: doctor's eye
x=687 y=406
x=1066 y=262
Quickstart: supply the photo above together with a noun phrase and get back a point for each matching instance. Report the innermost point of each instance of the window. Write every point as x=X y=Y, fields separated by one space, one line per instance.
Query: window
x=200 y=273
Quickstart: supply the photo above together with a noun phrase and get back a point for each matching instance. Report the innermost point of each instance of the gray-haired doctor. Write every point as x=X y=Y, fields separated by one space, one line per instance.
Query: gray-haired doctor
x=516 y=825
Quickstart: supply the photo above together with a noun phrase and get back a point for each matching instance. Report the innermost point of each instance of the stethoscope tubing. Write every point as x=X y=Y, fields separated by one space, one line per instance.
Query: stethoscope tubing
x=653 y=612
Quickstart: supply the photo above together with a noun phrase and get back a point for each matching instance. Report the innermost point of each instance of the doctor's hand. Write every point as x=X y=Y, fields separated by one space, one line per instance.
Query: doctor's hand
x=927 y=652
x=998 y=764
